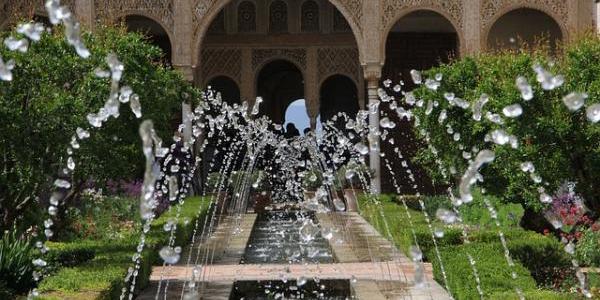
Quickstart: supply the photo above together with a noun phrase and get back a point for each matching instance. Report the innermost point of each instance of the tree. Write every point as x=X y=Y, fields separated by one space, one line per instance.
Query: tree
x=50 y=95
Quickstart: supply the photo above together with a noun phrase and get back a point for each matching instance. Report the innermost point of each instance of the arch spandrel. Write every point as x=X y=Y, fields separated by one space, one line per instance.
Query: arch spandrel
x=395 y=10
x=205 y=12
x=493 y=10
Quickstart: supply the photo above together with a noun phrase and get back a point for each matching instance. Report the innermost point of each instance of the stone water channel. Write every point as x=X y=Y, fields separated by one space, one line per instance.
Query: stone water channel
x=261 y=256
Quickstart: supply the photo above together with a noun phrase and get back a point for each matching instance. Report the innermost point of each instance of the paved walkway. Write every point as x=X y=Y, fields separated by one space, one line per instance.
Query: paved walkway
x=375 y=267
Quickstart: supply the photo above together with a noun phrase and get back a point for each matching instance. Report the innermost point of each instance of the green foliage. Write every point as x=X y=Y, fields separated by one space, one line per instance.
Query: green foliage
x=16 y=268
x=588 y=248
x=102 y=277
x=563 y=145
x=52 y=92
x=100 y=217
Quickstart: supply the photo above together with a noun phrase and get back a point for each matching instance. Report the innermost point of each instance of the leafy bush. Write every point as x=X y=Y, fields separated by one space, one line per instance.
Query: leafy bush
x=588 y=248
x=52 y=92
x=96 y=216
x=16 y=268
x=563 y=145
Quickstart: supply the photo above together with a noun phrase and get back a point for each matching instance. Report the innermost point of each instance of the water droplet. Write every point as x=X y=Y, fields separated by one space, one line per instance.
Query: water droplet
x=82 y=133
x=416 y=76
x=14 y=44
x=308 y=231
x=361 y=148
x=432 y=84
x=478 y=106
x=593 y=113
x=33 y=31
x=301 y=281
x=339 y=204
x=527 y=166
x=545 y=198
x=38 y=262
x=512 y=111
x=438 y=233
x=70 y=163
x=169 y=255
x=61 y=183
x=570 y=248
x=574 y=101
x=524 y=88
x=415 y=253
x=385 y=122
x=446 y=216
x=136 y=107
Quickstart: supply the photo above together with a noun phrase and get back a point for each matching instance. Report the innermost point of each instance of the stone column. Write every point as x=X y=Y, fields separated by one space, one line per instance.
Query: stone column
x=183 y=32
x=247 y=87
x=84 y=10
x=311 y=87
x=471 y=42
x=372 y=76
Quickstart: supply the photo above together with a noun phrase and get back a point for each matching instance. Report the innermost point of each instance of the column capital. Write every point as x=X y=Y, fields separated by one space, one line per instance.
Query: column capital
x=372 y=71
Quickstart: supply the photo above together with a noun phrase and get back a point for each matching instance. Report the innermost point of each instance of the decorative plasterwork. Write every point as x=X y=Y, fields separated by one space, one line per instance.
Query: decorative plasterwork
x=393 y=8
x=161 y=10
x=221 y=61
x=354 y=8
x=491 y=9
x=338 y=61
x=296 y=56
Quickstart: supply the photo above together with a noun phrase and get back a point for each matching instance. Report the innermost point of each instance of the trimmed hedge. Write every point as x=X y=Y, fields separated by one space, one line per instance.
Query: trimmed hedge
x=538 y=258
x=493 y=271
x=102 y=277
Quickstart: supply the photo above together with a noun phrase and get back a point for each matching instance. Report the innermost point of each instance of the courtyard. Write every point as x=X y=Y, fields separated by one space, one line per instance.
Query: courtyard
x=316 y=149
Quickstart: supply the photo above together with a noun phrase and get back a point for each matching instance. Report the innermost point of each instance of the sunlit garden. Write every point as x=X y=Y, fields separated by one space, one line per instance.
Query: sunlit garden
x=120 y=179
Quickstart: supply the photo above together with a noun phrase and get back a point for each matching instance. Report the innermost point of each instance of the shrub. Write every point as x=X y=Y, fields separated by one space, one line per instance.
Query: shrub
x=563 y=145
x=102 y=277
x=588 y=248
x=50 y=95
x=16 y=268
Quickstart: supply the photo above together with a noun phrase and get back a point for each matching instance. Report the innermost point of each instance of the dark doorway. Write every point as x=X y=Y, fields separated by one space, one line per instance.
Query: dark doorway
x=420 y=40
x=524 y=27
x=279 y=83
x=229 y=90
x=338 y=94
x=155 y=33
